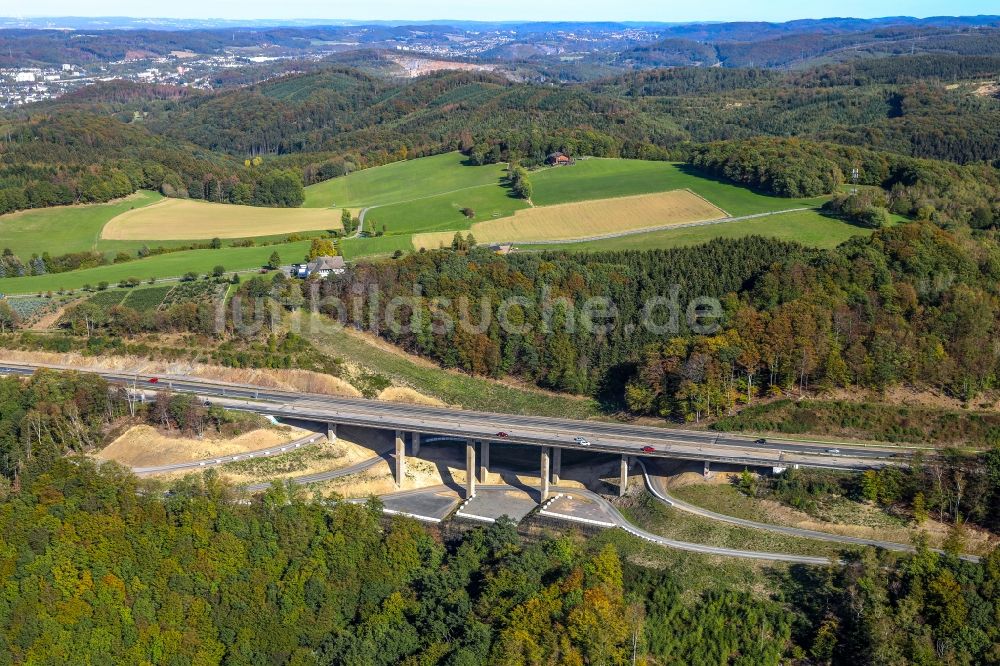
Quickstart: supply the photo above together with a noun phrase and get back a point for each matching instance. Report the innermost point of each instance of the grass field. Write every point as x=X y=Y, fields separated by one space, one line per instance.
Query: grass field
x=65 y=229
x=584 y=219
x=356 y=248
x=428 y=194
x=416 y=196
x=401 y=182
x=808 y=227
x=170 y=219
x=444 y=211
x=165 y=265
x=598 y=178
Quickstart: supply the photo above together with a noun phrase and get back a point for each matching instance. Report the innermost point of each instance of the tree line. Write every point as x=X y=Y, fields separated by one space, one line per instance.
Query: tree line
x=946 y=193
x=76 y=157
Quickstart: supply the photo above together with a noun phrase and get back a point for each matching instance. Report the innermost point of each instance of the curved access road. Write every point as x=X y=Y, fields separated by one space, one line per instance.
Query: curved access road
x=275 y=450
x=319 y=477
x=615 y=517
x=657 y=487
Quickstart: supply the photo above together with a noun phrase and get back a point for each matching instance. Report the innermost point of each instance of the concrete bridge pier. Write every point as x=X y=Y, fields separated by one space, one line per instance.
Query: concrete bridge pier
x=708 y=469
x=546 y=451
x=400 y=458
x=556 y=465
x=331 y=432
x=470 y=469
x=416 y=443
x=623 y=476
x=484 y=460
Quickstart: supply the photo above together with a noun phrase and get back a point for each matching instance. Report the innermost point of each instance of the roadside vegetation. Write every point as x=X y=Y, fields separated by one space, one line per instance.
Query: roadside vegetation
x=645 y=511
x=954 y=489
x=452 y=388
x=921 y=426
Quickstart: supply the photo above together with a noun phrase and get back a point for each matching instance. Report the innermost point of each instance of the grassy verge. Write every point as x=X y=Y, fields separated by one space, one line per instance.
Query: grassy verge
x=285 y=464
x=730 y=502
x=648 y=513
x=868 y=421
x=451 y=387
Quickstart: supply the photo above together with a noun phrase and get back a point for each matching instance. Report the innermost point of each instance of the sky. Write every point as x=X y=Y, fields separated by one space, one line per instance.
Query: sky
x=501 y=10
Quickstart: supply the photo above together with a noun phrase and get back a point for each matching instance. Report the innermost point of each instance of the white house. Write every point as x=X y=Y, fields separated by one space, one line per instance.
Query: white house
x=322 y=266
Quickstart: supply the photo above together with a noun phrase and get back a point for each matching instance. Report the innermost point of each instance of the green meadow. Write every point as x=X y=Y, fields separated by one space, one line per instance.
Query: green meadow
x=426 y=194
x=64 y=229
x=599 y=178
x=400 y=182
x=165 y=265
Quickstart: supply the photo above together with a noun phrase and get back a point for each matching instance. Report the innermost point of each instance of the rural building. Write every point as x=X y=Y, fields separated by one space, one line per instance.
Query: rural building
x=322 y=266
x=558 y=159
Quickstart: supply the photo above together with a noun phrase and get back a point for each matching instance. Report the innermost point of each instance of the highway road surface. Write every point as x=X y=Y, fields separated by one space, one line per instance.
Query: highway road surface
x=601 y=436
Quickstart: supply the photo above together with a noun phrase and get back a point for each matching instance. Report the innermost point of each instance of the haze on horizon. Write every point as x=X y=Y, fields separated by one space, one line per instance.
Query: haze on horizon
x=513 y=10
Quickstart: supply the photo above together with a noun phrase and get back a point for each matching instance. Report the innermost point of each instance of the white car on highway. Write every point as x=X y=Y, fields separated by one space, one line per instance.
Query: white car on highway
x=582 y=441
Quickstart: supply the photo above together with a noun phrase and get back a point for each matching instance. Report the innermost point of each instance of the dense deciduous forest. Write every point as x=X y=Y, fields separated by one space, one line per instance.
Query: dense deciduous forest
x=946 y=193
x=78 y=157
x=911 y=304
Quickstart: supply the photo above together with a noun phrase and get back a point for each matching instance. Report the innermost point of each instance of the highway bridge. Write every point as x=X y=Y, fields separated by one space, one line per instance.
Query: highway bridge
x=478 y=429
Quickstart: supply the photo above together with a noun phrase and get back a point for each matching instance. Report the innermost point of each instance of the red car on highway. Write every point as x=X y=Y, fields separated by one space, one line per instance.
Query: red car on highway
x=502 y=435
x=648 y=449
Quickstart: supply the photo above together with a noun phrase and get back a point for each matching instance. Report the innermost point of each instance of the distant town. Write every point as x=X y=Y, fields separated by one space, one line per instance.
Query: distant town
x=26 y=81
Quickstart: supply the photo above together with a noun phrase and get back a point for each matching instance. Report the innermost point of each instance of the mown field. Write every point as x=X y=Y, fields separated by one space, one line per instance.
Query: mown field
x=172 y=219
x=583 y=219
x=402 y=182
x=810 y=227
x=599 y=178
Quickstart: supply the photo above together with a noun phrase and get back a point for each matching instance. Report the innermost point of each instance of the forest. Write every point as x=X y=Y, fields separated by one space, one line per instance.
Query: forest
x=102 y=567
x=54 y=414
x=259 y=143
x=77 y=157
x=909 y=305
